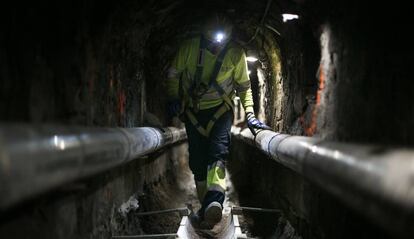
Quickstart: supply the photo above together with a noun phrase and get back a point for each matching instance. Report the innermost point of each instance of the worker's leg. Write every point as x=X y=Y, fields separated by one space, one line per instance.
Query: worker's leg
x=197 y=158
x=218 y=150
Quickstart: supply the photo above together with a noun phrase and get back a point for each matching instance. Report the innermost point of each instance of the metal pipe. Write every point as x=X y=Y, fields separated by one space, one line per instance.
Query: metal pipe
x=168 y=235
x=375 y=180
x=34 y=159
x=183 y=211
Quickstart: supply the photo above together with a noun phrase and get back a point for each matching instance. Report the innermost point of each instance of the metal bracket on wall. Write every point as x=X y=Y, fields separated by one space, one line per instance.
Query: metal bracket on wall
x=239 y=210
x=168 y=235
x=183 y=211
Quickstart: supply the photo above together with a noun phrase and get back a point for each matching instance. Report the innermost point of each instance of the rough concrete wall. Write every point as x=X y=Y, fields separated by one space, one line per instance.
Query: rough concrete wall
x=86 y=63
x=274 y=84
x=300 y=55
x=100 y=207
x=362 y=91
x=72 y=62
x=366 y=69
x=291 y=76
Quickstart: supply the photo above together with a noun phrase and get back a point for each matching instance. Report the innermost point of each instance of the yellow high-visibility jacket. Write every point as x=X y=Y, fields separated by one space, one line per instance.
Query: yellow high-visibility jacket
x=233 y=76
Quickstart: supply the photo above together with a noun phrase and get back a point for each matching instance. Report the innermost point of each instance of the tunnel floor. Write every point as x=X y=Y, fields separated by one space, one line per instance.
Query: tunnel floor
x=231 y=226
x=183 y=195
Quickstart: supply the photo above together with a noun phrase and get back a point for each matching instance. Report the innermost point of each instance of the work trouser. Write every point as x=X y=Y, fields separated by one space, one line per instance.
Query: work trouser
x=208 y=155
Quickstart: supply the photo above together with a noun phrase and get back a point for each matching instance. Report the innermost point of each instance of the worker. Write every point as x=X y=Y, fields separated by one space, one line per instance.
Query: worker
x=205 y=76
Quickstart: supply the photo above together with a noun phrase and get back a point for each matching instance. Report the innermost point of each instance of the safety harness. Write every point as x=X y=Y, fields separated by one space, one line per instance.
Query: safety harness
x=198 y=89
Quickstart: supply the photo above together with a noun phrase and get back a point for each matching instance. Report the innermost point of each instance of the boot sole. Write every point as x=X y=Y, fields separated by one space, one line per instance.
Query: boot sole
x=213 y=213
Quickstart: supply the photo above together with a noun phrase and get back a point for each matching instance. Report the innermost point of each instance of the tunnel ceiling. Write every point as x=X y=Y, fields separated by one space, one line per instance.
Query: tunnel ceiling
x=187 y=14
x=78 y=46
x=103 y=62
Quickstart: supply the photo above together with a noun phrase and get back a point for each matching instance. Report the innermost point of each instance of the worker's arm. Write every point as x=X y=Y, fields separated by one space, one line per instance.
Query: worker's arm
x=173 y=81
x=244 y=91
x=242 y=82
x=176 y=68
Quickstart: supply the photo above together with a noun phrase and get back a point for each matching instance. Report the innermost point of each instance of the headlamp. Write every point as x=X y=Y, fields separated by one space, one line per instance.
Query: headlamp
x=219 y=37
x=251 y=59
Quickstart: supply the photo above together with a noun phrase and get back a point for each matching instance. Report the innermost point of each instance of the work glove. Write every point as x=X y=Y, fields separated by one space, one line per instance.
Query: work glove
x=255 y=124
x=174 y=107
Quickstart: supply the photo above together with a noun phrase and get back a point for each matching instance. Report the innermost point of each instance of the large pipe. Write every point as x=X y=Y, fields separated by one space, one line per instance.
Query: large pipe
x=34 y=159
x=375 y=180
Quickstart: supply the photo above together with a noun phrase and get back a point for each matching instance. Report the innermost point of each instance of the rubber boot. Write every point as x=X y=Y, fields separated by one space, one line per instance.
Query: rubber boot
x=195 y=219
x=212 y=215
x=201 y=187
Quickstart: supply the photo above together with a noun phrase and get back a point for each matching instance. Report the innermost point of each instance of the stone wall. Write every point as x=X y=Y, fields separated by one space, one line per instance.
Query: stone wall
x=359 y=92
x=89 y=63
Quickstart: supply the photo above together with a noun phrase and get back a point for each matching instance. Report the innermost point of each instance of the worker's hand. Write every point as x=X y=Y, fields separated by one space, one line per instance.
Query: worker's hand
x=255 y=124
x=174 y=107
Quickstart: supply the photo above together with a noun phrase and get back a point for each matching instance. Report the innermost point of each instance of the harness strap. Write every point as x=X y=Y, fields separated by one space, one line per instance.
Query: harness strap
x=217 y=65
x=206 y=131
x=223 y=109
x=196 y=124
x=199 y=71
x=228 y=104
x=222 y=93
x=213 y=79
x=200 y=62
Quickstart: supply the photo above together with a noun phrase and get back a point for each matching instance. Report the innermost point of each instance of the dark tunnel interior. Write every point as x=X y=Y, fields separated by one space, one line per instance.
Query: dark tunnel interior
x=342 y=71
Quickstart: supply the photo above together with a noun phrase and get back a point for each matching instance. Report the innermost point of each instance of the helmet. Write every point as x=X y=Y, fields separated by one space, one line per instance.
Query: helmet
x=217 y=28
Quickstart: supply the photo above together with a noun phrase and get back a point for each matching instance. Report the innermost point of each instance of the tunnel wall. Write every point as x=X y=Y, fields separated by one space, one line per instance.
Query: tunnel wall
x=345 y=77
x=292 y=57
x=72 y=62
x=365 y=73
x=105 y=204
x=307 y=211
x=89 y=63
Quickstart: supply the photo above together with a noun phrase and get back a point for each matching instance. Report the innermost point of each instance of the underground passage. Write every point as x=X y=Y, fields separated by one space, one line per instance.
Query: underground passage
x=229 y=119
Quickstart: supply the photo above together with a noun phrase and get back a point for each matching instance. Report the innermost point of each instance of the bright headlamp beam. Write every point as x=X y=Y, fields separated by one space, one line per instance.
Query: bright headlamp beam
x=287 y=17
x=251 y=59
x=219 y=37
